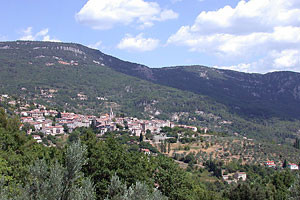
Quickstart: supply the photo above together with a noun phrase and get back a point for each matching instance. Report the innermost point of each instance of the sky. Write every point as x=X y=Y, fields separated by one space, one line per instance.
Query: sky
x=256 y=36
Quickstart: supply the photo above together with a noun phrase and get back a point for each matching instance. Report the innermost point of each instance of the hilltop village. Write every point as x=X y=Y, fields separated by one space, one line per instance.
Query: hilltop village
x=52 y=122
x=39 y=119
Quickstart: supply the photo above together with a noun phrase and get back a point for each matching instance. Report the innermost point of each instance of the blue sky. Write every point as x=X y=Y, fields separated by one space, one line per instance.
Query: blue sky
x=250 y=36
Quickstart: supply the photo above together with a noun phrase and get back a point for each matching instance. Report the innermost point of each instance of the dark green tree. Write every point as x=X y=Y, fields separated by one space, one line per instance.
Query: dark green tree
x=141 y=138
x=66 y=128
x=297 y=143
x=58 y=115
x=285 y=164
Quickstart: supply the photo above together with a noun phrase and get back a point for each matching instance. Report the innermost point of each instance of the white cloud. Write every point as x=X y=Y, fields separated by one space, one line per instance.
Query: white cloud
x=138 y=43
x=105 y=14
x=97 y=45
x=175 y=1
x=253 y=31
x=286 y=58
x=167 y=14
x=242 y=67
x=27 y=34
x=42 y=35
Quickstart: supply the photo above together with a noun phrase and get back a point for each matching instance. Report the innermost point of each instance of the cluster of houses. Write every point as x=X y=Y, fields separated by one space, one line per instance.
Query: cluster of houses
x=291 y=166
x=6 y=98
x=242 y=176
x=41 y=120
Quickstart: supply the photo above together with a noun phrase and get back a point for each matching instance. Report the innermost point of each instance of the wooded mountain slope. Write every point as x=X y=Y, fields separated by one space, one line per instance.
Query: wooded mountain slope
x=74 y=77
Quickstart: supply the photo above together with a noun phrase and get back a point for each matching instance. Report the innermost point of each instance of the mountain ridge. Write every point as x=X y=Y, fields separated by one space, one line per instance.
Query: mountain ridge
x=191 y=94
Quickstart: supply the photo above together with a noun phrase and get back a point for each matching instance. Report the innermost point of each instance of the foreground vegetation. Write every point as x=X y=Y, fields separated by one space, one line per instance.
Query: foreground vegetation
x=85 y=167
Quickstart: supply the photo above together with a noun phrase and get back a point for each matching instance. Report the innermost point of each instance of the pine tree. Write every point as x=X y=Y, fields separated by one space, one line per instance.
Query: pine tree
x=285 y=164
x=58 y=115
x=141 y=137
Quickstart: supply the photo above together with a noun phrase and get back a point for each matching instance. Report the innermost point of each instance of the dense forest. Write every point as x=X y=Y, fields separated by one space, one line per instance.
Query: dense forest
x=85 y=167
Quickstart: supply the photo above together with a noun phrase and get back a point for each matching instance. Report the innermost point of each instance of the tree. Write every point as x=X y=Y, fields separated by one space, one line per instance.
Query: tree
x=60 y=182
x=141 y=137
x=109 y=157
x=58 y=115
x=3 y=118
x=74 y=136
x=13 y=124
x=94 y=124
x=119 y=126
x=126 y=125
x=148 y=135
x=27 y=127
x=138 y=191
x=66 y=128
x=285 y=164
x=295 y=189
x=297 y=143
x=243 y=191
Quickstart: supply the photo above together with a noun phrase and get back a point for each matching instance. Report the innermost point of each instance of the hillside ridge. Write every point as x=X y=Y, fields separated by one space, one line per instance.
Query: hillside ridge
x=73 y=77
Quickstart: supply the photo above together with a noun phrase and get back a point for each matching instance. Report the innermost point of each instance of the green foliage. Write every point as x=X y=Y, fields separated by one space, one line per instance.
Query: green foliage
x=3 y=119
x=148 y=135
x=38 y=172
x=146 y=145
x=285 y=164
x=215 y=167
x=187 y=148
x=109 y=157
x=74 y=136
x=141 y=137
x=297 y=143
x=276 y=185
x=66 y=129
x=244 y=191
x=59 y=182
x=138 y=191
x=27 y=127
x=119 y=126
x=295 y=189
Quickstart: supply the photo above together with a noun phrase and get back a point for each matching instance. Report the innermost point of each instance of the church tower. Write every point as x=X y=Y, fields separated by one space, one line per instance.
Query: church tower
x=111 y=114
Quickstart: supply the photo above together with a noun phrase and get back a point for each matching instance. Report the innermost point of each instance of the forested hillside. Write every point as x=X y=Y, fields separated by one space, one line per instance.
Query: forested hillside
x=85 y=167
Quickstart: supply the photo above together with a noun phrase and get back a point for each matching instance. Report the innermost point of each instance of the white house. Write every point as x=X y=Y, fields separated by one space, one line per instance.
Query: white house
x=270 y=164
x=240 y=175
x=53 y=130
x=37 y=138
x=293 y=166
